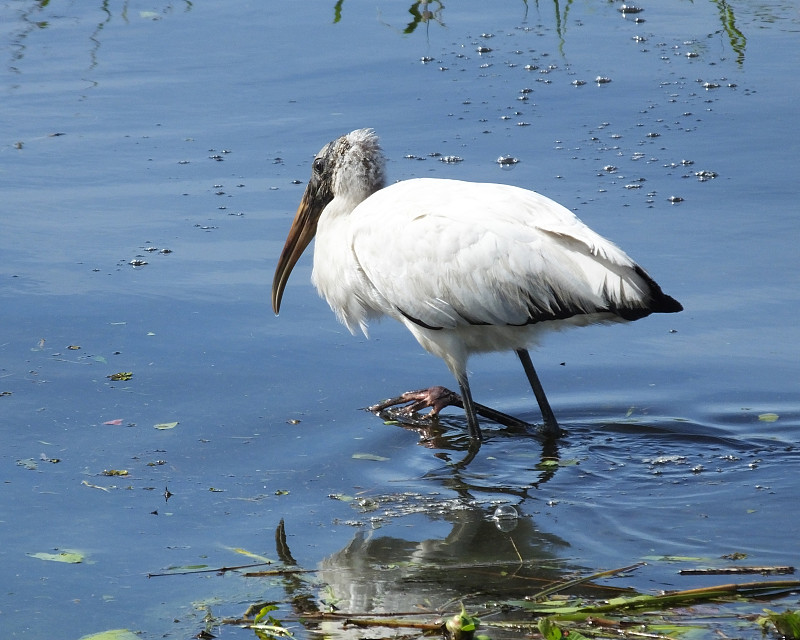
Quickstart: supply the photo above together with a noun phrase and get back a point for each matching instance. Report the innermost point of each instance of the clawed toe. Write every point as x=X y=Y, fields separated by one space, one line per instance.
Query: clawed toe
x=409 y=404
x=436 y=398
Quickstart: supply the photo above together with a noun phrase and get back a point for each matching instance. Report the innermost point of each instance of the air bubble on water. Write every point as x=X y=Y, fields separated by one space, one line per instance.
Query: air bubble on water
x=506 y=517
x=505 y=512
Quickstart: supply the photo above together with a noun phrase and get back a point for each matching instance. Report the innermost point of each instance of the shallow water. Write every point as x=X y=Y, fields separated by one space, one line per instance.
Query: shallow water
x=190 y=127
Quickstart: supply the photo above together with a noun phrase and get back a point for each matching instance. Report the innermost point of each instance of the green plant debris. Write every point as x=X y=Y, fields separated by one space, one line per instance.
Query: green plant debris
x=575 y=618
x=786 y=624
x=462 y=626
x=115 y=472
x=675 y=559
x=768 y=417
x=122 y=375
x=265 y=625
x=573 y=609
x=250 y=554
x=550 y=631
x=69 y=556
x=554 y=463
x=165 y=425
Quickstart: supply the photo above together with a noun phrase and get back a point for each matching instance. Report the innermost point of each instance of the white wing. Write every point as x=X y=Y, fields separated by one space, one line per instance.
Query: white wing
x=446 y=253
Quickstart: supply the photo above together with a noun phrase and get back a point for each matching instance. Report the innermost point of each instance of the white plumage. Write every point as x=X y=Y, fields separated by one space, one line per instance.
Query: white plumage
x=466 y=267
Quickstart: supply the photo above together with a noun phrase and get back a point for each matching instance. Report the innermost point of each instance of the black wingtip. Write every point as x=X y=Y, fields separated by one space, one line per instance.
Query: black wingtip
x=666 y=304
x=660 y=302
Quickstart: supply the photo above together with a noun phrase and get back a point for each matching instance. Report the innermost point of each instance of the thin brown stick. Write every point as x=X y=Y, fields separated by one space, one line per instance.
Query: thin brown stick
x=739 y=588
x=737 y=570
x=572 y=583
x=218 y=570
x=385 y=622
x=276 y=572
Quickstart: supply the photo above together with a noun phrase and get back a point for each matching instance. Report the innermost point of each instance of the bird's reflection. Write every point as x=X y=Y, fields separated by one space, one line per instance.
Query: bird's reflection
x=479 y=560
x=377 y=572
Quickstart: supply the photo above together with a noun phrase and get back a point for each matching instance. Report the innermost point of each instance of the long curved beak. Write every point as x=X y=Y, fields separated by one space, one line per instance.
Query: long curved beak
x=302 y=231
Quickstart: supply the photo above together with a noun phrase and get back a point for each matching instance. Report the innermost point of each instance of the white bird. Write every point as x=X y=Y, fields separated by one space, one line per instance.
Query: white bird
x=466 y=267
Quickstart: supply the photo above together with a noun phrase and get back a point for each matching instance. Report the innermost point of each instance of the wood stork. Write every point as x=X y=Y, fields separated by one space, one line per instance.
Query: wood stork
x=466 y=267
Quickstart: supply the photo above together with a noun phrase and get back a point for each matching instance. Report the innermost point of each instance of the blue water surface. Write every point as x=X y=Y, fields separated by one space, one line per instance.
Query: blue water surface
x=180 y=135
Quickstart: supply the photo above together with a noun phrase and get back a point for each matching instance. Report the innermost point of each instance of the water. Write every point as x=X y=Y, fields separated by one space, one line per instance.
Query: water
x=190 y=127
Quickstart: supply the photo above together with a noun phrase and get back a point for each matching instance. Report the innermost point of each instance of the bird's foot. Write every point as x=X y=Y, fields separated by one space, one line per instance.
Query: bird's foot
x=436 y=398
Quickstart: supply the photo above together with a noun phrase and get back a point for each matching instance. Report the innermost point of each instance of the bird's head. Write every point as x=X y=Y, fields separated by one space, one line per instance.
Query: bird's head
x=349 y=169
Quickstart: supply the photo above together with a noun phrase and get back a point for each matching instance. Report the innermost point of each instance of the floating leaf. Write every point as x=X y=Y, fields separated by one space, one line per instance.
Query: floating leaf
x=549 y=630
x=768 y=417
x=674 y=559
x=341 y=496
x=122 y=375
x=165 y=425
x=553 y=463
x=115 y=472
x=112 y=634
x=281 y=492
x=95 y=486
x=264 y=611
x=369 y=456
x=74 y=347
x=67 y=555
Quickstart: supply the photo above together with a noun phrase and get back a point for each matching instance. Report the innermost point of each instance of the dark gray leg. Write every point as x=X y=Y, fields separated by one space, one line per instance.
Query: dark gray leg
x=474 y=429
x=550 y=427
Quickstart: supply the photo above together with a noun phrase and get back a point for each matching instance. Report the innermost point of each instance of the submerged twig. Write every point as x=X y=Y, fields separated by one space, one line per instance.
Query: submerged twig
x=691 y=596
x=276 y=572
x=737 y=570
x=217 y=570
x=561 y=586
x=394 y=623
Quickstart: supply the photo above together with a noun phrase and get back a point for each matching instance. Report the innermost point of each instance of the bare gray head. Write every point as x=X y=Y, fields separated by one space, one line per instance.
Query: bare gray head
x=349 y=169
x=353 y=166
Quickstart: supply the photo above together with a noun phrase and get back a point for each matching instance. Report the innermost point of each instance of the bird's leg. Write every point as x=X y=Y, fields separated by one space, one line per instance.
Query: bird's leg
x=550 y=427
x=475 y=435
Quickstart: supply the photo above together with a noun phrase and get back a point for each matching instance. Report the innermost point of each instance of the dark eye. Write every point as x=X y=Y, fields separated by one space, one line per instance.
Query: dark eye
x=319 y=166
